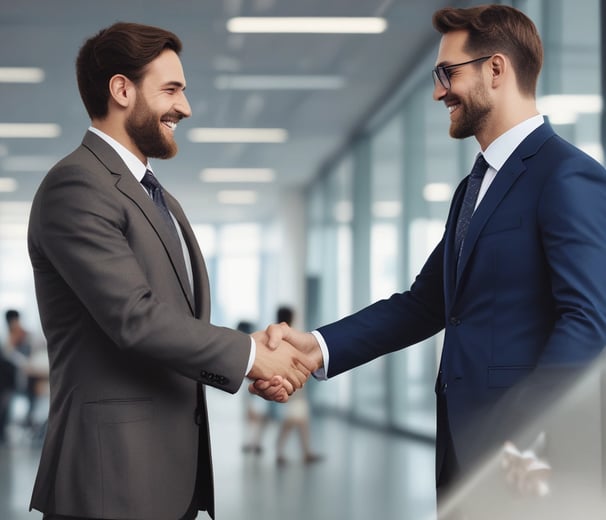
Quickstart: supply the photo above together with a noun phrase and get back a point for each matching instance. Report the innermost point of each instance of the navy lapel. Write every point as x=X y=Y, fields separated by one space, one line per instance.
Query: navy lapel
x=506 y=177
x=450 y=257
x=128 y=185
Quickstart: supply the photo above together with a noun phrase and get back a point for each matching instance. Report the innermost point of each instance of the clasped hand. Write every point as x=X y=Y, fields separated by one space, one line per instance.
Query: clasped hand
x=284 y=361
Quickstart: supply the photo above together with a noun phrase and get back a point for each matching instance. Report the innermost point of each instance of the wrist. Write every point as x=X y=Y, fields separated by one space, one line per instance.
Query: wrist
x=314 y=352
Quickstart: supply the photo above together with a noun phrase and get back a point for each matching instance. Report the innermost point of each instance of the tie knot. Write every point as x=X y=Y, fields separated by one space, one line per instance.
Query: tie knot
x=150 y=182
x=479 y=167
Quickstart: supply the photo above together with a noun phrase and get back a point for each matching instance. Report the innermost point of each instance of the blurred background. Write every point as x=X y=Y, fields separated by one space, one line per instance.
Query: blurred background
x=317 y=173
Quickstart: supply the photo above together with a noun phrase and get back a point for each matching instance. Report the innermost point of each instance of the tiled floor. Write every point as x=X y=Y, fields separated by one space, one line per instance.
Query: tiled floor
x=365 y=474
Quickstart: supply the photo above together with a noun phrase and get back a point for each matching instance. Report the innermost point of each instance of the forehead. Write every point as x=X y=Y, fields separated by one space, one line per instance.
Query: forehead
x=451 y=48
x=165 y=68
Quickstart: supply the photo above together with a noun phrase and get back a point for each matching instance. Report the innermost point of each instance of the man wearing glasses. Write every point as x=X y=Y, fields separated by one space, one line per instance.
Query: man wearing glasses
x=517 y=282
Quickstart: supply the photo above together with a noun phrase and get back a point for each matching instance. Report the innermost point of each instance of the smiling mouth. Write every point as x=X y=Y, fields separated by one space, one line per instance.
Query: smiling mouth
x=171 y=125
x=453 y=108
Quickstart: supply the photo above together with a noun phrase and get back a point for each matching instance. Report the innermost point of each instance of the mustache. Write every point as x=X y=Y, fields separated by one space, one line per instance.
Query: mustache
x=177 y=116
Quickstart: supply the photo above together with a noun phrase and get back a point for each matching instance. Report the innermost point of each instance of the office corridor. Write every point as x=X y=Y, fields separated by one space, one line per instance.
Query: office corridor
x=365 y=474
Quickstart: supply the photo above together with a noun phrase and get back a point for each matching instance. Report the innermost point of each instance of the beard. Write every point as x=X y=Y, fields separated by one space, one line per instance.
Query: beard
x=143 y=127
x=473 y=114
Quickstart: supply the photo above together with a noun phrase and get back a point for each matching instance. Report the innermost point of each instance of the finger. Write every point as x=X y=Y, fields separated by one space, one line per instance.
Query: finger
x=261 y=384
x=276 y=381
x=297 y=378
x=276 y=333
x=288 y=387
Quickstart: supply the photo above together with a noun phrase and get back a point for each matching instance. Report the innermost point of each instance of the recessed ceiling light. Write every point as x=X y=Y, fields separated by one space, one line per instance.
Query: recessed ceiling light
x=316 y=24
x=29 y=130
x=237 y=175
x=237 y=135
x=21 y=75
x=268 y=82
x=237 y=197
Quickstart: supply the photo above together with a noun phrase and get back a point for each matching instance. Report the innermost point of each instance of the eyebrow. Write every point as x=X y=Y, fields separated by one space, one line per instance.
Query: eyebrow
x=175 y=84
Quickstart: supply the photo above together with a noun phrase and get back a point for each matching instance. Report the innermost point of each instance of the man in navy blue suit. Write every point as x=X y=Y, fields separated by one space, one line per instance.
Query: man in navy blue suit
x=522 y=296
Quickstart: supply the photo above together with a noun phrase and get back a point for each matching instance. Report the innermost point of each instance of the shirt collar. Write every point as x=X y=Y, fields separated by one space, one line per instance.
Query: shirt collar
x=503 y=146
x=136 y=167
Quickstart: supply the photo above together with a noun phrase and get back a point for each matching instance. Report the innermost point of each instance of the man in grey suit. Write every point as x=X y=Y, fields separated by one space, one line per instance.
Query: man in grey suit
x=124 y=302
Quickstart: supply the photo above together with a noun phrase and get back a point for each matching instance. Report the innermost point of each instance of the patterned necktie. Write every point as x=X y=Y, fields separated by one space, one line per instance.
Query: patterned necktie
x=469 y=201
x=155 y=190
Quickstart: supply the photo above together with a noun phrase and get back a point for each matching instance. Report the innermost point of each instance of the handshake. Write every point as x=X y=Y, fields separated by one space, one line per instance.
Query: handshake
x=284 y=360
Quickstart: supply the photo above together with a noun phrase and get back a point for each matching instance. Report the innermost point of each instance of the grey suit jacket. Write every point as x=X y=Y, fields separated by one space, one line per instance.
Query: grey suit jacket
x=130 y=347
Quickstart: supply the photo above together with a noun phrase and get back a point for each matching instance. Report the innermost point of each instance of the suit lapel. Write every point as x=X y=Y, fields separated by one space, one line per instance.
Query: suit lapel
x=128 y=185
x=200 y=275
x=505 y=179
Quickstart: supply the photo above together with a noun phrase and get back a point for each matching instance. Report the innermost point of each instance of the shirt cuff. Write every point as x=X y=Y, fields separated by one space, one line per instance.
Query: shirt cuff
x=251 y=357
x=323 y=370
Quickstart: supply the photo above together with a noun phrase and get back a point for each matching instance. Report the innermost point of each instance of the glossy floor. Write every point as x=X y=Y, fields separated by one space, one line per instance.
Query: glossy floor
x=364 y=474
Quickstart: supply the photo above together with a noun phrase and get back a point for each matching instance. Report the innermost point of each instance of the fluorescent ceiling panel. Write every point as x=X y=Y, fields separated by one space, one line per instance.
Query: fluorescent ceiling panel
x=237 y=135
x=351 y=25
x=29 y=130
x=268 y=82
x=21 y=75
x=237 y=197
x=237 y=175
x=7 y=185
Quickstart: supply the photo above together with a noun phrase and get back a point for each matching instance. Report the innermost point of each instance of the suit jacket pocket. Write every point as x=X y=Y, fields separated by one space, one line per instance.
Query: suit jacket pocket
x=125 y=436
x=502 y=224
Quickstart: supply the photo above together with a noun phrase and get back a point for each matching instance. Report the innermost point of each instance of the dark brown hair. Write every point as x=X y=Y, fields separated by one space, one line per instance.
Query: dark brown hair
x=122 y=48
x=498 y=28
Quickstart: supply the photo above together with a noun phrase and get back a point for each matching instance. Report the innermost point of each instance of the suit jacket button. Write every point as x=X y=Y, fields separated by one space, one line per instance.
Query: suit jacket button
x=454 y=321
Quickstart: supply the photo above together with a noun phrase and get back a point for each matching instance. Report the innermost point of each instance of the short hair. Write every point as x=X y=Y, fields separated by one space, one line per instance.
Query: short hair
x=498 y=28
x=123 y=48
x=285 y=314
x=11 y=315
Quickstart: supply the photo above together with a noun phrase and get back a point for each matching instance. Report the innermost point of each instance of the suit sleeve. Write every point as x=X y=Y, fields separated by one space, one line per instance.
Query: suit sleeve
x=391 y=324
x=572 y=216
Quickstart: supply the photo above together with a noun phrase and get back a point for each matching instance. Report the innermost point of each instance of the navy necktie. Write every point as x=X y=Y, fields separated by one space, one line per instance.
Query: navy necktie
x=469 y=201
x=155 y=190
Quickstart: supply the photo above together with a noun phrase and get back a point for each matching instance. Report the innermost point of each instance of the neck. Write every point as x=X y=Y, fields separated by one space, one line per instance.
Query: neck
x=505 y=118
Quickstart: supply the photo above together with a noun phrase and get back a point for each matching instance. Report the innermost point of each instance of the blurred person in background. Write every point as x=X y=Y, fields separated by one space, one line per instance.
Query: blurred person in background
x=7 y=387
x=29 y=356
x=295 y=414
x=256 y=411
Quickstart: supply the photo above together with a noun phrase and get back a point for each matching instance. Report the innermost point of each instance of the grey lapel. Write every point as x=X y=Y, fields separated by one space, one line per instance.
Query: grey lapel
x=128 y=185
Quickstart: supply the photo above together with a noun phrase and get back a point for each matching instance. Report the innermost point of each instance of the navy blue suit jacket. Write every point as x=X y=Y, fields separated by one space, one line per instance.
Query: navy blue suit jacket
x=529 y=292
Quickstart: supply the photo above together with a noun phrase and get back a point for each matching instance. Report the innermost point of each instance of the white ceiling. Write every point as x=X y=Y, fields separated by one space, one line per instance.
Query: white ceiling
x=48 y=34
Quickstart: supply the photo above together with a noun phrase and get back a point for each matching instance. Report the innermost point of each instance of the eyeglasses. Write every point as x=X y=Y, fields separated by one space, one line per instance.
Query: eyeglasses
x=441 y=73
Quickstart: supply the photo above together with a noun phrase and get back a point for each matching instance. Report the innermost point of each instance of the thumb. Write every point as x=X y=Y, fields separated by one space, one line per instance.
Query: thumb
x=276 y=333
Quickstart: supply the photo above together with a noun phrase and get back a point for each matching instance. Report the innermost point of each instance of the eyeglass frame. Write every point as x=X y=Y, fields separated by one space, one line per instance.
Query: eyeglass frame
x=445 y=70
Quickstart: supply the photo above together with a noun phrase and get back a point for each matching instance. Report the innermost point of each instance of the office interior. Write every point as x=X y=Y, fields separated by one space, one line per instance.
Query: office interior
x=334 y=205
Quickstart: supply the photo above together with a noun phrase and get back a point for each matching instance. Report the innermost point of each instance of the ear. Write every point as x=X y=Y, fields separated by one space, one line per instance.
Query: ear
x=121 y=90
x=498 y=67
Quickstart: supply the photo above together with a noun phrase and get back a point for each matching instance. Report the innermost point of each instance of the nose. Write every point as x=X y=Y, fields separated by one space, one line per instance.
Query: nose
x=182 y=106
x=439 y=91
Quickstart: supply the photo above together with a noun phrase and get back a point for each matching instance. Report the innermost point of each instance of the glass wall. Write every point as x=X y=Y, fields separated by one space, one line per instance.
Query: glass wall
x=405 y=168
